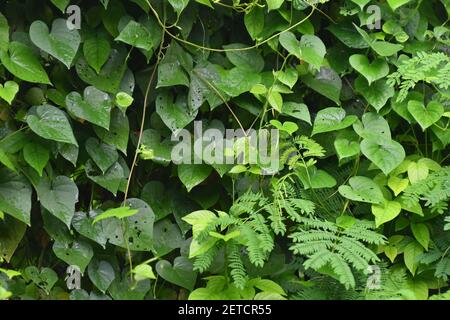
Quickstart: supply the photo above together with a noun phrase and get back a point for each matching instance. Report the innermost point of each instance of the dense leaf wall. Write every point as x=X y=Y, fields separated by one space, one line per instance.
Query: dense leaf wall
x=93 y=205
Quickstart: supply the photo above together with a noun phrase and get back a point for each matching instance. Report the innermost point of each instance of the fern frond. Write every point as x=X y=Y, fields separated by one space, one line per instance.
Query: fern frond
x=237 y=269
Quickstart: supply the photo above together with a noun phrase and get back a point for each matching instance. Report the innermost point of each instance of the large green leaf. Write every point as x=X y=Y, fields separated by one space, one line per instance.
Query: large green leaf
x=362 y=189
x=135 y=232
x=377 y=94
x=110 y=179
x=172 y=69
x=332 y=119
x=77 y=253
x=310 y=48
x=95 y=106
x=180 y=273
x=59 y=197
x=386 y=212
x=104 y=155
x=101 y=274
x=326 y=82
x=136 y=35
x=62 y=43
x=193 y=174
x=96 y=50
x=8 y=91
x=22 y=62
x=371 y=71
x=175 y=114
x=426 y=117
x=111 y=74
x=385 y=154
x=50 y=123
x=36 y=155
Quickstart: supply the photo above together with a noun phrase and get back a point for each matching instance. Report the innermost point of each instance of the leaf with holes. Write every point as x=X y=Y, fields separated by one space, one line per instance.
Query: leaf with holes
x=77 y=253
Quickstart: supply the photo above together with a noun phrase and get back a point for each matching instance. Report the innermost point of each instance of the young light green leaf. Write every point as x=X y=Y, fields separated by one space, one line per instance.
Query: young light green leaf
x=119 y=213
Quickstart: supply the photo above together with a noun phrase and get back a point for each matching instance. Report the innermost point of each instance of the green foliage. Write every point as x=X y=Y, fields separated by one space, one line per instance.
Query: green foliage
x=355 y=208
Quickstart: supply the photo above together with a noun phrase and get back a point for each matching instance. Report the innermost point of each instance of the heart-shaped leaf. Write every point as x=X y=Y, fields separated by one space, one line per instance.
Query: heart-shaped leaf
x=310 y=48
x=8 y=91
x=332 y=119
x=95 y=106
x=397 y=184
x=410 y=255
x=50 y=123
x=176 y=115
x=426 y=117
x=382 y=48
x=46 y=278
x=110 y=76
x=346 y=144
x=297 y=110
x=326 y=82
x=167 y=237
x=385 y=154
x=250 y=60
x=110 y=180
x=22 y=62
x=83 y=223
x=373 y=126
x=101 y=274
x=104 y=155
x=181 y=273
x=136 y=35
x=377 y=94
x=138 y=228
x=193 y=174
x=36 y=155
x=386 y=212
x=96 y=50
x=362 y=189
x=371 y=71
x=62 y=43
x=78 y=253
x=288 y=126
x=59 y=197
x=15 y=195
